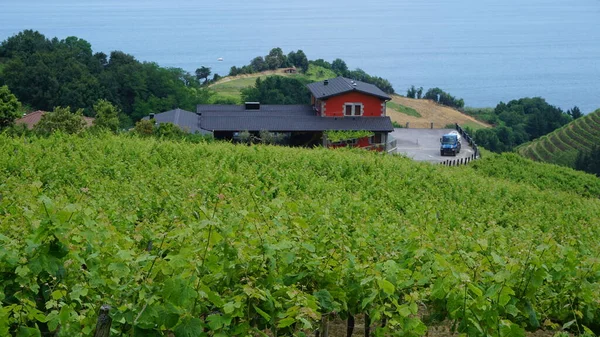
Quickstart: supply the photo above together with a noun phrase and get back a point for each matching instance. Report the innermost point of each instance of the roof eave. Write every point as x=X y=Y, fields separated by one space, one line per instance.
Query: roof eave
x=385 y=98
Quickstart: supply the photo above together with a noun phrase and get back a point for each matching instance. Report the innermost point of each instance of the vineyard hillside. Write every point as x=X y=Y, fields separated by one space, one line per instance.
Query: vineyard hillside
x=562 y=145
x=216 y=239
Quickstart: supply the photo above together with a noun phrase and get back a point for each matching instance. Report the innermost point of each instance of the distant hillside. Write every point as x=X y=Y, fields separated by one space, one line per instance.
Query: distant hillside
x=419 y=113
x=561 y=146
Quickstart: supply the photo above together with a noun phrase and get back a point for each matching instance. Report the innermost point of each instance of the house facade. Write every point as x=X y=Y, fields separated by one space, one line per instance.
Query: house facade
x=342 y=97
x=338 y=104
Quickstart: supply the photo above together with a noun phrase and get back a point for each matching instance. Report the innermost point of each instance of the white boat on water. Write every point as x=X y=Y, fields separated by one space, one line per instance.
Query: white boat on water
x=220 y=59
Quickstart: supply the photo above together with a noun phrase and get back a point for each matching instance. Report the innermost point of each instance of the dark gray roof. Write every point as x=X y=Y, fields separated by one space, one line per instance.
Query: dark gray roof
x=281 y=118
x=288 y=123
x=265 y=110
x=340 y=85
x=186 y=120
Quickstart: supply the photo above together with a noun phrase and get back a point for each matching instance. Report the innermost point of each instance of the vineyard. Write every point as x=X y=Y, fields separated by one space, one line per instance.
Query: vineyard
x=185 y=239
x=561 y=146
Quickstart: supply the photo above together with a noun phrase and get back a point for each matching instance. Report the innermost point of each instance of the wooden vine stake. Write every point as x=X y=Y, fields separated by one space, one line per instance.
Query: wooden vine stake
x=104 y=322
x=350 y=326
x=324 y=326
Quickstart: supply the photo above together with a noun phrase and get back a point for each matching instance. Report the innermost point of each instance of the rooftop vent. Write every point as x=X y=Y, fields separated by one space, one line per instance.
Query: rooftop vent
x=353 y=83
x=151 y=116
x=326 y=82
x=252 y=105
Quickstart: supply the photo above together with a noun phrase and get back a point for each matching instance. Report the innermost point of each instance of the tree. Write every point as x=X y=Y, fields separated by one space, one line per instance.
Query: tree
x=440 y=96
x=575 y=112
x=275 y=59
x=107 y=115
x=203 y=73
x=259 y=64
x=339 y=67
x=488 y=139
x=321 y=63
x=61 y=119
x=411 y=92
x=24 y=43
x=277 y=90
x=9 y=107
x=234 y=71
x=419 y=92
x=299 y=60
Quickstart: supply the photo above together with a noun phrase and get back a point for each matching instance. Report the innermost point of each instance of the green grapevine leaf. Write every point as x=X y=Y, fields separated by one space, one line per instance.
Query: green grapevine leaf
x=284 y=323
x=386 y=286
x=190 y=327
x=28 y=332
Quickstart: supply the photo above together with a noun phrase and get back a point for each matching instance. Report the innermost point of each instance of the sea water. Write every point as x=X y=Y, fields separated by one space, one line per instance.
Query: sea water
x=484 y=51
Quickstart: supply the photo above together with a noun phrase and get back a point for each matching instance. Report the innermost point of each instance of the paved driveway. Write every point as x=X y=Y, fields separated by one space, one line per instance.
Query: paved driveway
x=424 y=144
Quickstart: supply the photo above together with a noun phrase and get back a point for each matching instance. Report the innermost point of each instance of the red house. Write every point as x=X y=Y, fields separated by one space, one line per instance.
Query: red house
x=343 y=97
x=338 y=104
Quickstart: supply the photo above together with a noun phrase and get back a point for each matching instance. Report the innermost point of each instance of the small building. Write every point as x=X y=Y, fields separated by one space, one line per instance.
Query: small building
x=186 y=120
x=32 y=118
x=338 y=104
x=291 y=70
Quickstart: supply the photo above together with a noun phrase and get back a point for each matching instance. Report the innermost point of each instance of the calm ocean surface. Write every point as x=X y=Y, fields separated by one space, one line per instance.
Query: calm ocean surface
x=484 y=51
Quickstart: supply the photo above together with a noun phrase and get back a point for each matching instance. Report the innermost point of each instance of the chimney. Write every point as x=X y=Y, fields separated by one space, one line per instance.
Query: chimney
x=151 y=117
x=326 y=82
x=252 y=105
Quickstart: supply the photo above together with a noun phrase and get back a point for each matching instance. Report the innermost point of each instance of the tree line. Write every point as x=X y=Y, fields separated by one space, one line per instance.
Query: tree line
x=437 y=95
x=44 y=73
x=276 y=59
x=518 y=122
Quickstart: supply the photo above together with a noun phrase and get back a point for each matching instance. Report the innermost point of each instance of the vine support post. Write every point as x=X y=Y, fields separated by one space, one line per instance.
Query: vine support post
x=367 y=325
x=104 y=322
x=324 y=326
x=350 y=326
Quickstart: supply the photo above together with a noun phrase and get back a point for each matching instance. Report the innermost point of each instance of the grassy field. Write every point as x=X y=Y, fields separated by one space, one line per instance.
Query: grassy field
x=562 y=145
x=403 y=109
x=428 y=112
x=233 y=240
x=230 y=87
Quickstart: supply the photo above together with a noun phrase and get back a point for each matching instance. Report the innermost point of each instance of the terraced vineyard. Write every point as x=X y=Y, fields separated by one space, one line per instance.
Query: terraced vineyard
x=220 y=240
x=561 y=146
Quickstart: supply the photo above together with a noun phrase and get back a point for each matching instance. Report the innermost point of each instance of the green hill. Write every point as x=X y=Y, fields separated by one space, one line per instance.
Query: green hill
x=229 y=88
x=562 y=145
x=232 y=240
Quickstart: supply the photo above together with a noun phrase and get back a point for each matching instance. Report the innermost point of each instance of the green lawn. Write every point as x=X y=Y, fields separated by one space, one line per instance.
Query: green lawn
x=474 y=126
x=232 y=89
x=403 y=109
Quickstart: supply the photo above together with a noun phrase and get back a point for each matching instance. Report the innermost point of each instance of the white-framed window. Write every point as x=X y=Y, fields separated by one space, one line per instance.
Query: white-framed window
x=353 y=109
